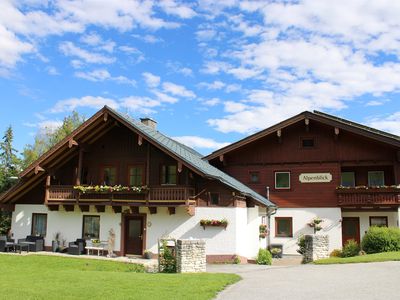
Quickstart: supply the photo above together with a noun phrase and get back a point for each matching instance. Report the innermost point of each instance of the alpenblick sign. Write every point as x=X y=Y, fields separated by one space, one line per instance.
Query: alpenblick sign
x=315 y=177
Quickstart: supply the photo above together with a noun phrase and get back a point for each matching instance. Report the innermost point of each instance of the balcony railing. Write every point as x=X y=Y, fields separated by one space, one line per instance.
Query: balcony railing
x=368 y=196
x=158 y=195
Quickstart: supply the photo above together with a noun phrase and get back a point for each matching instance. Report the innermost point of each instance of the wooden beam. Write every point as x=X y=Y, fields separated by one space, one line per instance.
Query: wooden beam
x=153 y=210
x=171 y=210
x=69 y=207
x=140 y=140
x=52 y=207
x=78 y=176
x=134 y=210
x=100 y=208
x=7 y=207
x=191 y=210
x=179 y=166
x=38 y=169
x=117 y=209
x=307 y=122
x=84 y=208
x=71 y=143
x=279 y=135
x=47 y=193
x=221 y=158
x=105 y=117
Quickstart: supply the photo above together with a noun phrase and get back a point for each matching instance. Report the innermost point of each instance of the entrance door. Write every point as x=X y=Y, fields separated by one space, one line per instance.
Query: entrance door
x=134 y=235
x=350 y=229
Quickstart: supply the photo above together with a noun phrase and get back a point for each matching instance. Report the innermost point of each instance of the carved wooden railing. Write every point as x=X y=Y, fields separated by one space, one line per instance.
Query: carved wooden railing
x=159 y=194
x=370 y=196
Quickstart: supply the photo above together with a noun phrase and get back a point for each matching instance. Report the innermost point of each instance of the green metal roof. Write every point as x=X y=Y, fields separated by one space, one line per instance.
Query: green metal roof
x=194 y=159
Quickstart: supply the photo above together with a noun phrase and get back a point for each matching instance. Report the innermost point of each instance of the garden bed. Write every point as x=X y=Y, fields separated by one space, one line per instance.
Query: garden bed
x=377 y=257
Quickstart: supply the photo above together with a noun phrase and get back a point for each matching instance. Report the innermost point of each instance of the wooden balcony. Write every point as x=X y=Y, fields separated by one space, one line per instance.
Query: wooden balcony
x=368 y=197
x=155 y=196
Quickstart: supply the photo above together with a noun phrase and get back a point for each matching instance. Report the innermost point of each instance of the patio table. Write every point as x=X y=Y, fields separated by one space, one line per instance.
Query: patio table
x=21 y=246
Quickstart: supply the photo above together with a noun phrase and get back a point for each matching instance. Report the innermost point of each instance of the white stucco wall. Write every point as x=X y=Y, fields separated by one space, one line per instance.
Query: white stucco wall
x=240 y=237
x=301 y=216
x=364 y=218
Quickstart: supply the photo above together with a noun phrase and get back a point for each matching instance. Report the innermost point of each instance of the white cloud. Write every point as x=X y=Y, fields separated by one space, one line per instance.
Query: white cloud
x=177 y=90
x=375 y=102
x=151 y=79
x=216 y=85
x=389 y=123
x=211 y=102
x=102 y=75
x=69 y=49
x=86 y=101
x=174 y=8
x=12 y=48
x=143 y=105
x=199 y=142
x=164 y=97
x=148 y=38
x=52 y=70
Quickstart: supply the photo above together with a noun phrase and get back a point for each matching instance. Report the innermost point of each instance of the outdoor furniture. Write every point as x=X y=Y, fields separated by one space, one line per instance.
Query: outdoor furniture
x=77 y=247
x=23 y=246
x=100 y=247
x=6 y=244
x=36 y=243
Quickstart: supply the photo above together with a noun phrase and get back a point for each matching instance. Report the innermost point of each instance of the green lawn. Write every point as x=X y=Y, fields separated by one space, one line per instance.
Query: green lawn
x=378 y=257
x=46 y=277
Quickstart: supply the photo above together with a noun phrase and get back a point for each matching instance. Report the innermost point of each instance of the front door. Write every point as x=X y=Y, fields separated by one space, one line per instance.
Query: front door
x=350 y=229
x=134 y=235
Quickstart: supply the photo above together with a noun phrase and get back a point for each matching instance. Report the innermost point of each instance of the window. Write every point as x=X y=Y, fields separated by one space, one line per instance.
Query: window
x=110 y=175
x=214 y=198
x=39 y=224
x=376 y=178
x=254 y=177
x=136 y=176
x=282 y=180
x=168 y=174
x=91 y=227
x=347 y=179
x=378 y=221
x=283 y=227
x=307 y=142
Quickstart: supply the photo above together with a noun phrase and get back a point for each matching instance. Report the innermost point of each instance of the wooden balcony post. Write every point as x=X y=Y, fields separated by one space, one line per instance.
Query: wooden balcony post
x=46 y=195
x=79 y=171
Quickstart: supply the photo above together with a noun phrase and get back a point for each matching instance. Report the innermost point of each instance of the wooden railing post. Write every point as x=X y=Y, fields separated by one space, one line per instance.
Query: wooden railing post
x=47 y=192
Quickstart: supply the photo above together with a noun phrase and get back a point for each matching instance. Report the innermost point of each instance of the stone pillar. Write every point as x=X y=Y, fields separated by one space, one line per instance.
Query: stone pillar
x=317 y=247
x=190 y=256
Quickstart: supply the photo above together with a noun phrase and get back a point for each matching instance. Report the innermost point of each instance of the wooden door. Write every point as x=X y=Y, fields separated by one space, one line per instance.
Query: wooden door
x=134 y=235
x=350 y=229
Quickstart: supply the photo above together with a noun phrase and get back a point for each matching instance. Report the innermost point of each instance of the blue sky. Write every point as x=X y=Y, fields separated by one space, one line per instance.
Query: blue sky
x=210 y=72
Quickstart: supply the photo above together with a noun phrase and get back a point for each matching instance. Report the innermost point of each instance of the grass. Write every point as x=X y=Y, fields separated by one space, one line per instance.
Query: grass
x=46 y=277
x=377 y=257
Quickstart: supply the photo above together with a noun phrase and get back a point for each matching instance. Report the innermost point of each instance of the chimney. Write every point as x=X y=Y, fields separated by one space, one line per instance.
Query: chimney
x=149 y=122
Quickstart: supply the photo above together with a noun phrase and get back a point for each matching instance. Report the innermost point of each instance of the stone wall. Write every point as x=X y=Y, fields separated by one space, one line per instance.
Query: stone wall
x=190 y=256
x=317 y=247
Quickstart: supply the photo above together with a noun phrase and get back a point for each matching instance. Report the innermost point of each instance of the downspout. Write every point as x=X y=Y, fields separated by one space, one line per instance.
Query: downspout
x=270 y=212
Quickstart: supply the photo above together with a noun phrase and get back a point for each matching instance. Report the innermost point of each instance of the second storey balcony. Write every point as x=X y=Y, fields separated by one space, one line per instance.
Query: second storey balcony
x=368 y=196
x=151 y=196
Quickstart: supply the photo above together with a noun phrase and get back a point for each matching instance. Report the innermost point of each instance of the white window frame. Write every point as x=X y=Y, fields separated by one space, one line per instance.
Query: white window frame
x=282 y=188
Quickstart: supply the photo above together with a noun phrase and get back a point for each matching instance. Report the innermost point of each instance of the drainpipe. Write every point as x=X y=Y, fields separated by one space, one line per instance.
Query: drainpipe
x=270 y=212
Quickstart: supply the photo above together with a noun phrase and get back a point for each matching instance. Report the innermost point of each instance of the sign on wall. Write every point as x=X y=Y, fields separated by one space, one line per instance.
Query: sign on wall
x=315 y=177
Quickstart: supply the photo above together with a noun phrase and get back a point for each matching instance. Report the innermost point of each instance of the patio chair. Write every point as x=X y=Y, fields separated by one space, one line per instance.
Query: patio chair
x=36 y=243
x=6 y=244
x=77 y=247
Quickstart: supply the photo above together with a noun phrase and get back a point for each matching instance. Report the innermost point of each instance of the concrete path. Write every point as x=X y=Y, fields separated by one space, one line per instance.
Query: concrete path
x=351 y=281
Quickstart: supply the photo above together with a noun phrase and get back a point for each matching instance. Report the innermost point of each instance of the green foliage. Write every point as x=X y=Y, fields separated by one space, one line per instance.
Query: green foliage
x=336 y=253
x=71 y=278
x=264 y=257
x=350 y=249
x=9 y=162
x=236 y=260
x=301 y=242
x=48 y=137
x=167 y=259
x=376 y=257
x=381 y=239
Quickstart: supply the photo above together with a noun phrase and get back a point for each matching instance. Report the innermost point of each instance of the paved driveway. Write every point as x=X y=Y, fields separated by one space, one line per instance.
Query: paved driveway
x=351 y=281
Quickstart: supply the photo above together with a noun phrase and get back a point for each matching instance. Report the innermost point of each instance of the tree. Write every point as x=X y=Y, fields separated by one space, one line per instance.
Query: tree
x=44 y=140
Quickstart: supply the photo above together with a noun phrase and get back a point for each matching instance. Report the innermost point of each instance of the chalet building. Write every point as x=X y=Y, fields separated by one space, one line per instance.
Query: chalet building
x=319 y=166
x=155 y=188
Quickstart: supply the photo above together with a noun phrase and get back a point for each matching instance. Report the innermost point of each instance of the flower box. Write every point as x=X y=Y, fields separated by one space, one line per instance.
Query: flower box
x=213 y=223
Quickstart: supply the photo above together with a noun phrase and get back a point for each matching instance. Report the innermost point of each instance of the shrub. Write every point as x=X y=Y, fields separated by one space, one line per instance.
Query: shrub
x=167 y=259
x=381 y=239
x=264 y=257
x=350 y=249
x=336 y=253
x=301 y=242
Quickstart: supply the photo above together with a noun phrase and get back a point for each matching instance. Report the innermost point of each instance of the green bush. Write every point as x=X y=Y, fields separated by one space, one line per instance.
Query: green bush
x=336 y=253
x=381 y=239
x=264 y=257
x=167 y=259
x=350 y=249
x=301 y=242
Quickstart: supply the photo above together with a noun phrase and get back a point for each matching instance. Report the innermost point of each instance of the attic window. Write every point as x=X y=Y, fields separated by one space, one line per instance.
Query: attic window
x=308 y=142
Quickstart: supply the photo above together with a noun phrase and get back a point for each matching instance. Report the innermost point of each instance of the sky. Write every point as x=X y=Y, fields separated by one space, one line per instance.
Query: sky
x=209 y=72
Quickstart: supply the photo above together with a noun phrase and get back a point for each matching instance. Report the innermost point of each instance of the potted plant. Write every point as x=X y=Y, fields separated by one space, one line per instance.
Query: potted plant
x=56 y=243
x=316 y=224
x=276 y=252
x=147 y=254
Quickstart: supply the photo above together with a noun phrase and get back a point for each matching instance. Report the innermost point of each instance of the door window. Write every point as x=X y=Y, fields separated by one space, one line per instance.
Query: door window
x=376 y=178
